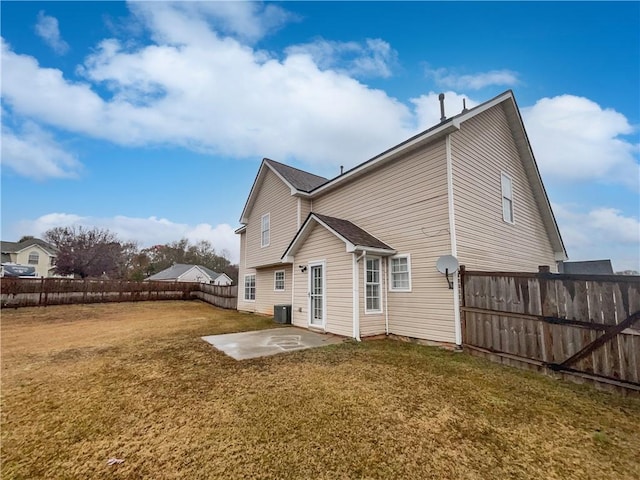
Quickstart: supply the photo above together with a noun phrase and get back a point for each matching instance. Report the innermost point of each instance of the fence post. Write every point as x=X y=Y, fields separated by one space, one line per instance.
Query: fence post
x=41 y=291
x=463 y=314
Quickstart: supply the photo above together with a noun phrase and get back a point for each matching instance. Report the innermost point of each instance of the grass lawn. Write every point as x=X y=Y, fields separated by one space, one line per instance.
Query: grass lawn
x=82 y=384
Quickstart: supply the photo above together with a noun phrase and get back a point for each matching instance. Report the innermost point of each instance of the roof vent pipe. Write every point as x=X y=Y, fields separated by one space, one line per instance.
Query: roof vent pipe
x=341 y=169
x=464 y=105
x=442 y=116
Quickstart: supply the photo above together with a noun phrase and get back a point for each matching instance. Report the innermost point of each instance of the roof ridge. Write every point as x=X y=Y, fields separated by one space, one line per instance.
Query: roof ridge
x=270 y=160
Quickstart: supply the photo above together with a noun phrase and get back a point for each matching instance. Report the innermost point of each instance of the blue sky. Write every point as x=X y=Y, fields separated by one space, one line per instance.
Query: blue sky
x=151 y=119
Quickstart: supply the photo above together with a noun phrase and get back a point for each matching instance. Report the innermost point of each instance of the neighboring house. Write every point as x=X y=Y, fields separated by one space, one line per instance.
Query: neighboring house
x=181 y=272
x=587 y=267
x=356 y=255
x=33 y=253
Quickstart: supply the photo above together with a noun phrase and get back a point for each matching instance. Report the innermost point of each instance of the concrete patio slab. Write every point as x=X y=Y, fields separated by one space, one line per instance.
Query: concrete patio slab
x=261 y=343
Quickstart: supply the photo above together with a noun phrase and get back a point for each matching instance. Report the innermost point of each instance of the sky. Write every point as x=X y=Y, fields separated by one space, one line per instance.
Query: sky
x=151 y=119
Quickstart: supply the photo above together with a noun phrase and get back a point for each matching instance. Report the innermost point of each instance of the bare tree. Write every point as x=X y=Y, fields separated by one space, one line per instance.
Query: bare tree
x=202 y=253
x=90 y=252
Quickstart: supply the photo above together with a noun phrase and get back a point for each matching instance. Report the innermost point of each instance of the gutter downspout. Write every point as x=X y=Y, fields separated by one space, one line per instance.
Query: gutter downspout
x=386 y=297
x=356 y=295
x=454 y=246
x=293 y=285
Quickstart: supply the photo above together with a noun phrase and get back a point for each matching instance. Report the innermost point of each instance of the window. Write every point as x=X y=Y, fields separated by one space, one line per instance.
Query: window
x=250 y=287
x=278 y=278
x=400 y=273
x=507 y=198
x=34 y=258
x=265 y=230
x=372 y=285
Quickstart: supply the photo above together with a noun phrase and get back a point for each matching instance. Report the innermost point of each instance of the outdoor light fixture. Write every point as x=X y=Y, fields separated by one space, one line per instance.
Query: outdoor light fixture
x=303 y=268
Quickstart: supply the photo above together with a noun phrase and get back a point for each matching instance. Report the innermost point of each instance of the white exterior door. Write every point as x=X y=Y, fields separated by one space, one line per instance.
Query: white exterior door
x=316 y=295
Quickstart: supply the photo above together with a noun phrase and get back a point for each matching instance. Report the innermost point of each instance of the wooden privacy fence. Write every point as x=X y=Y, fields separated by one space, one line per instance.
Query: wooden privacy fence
x=220 y=296
x=24 y=292
x=584 y=326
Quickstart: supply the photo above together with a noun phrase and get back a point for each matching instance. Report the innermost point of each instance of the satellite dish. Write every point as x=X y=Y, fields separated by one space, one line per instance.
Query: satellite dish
x=448 y=264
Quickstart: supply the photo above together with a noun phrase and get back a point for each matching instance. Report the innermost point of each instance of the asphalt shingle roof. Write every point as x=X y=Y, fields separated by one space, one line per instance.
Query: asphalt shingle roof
x=352 y=232
x=300 y=179
x=174 y=271
x=13 y=247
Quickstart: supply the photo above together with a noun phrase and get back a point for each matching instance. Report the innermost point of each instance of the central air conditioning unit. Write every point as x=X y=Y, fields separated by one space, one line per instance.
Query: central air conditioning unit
x=282 y=314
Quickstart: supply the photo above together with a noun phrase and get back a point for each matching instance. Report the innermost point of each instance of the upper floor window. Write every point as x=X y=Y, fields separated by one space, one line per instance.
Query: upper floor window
x=250 y=287
x=265 y=230
x=372 y=285
x=34 y=258
x=400 y=273
x=507 y=198
x=278 y=278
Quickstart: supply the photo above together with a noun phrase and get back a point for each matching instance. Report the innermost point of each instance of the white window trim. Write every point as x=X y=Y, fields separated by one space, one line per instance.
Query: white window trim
x=275 y=285
x=400 y=255
x=244 y=287
x=36 y=256
x=323 y=264
x=364 y=265
x=503 y=176
x=262 y=230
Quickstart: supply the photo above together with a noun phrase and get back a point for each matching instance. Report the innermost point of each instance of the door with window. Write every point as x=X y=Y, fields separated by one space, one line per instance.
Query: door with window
x=316 y=295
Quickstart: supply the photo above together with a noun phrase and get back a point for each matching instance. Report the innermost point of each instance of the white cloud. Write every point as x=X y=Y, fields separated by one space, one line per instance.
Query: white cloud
x=34 y=153
x=183 y=22
x=574 y=139
x=600 y=233
x=212 y=94
x=476 y=81
x=198 y=89
x=427 y=107
x=47 y=29
x=146 y=231
x=373 y=58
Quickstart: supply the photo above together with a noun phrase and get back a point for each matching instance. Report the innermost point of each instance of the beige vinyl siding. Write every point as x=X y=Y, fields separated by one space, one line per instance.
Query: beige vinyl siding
x=305 y=209
x=481 y=151
x=274 y=198
x=194 y=275
x=242 y=271
x=44 y=259
x=266 y=297
x=404 y=204
x=323 y=245
x=371 y=323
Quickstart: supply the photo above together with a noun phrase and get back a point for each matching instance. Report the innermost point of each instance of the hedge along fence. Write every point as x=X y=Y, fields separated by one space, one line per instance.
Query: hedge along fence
x=27 y=292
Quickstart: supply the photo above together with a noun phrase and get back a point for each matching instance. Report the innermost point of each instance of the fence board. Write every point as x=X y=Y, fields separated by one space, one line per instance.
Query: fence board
x=21 y=292
x=541 y=320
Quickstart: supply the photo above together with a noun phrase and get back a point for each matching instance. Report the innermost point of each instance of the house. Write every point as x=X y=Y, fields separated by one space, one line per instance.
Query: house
x=32 y=252
x=356 y=255
x=180 y=272
x=586 y=267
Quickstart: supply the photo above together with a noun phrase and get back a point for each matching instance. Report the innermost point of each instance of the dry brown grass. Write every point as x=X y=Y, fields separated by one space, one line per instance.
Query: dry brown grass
x=82 y=384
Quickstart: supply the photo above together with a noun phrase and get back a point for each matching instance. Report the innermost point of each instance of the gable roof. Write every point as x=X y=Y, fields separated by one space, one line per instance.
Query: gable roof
x=296 y=178
x=15 y=247
x=355 y=238
x=177 y=270
x=450 y=125
x=454 y=123
x=298 y=181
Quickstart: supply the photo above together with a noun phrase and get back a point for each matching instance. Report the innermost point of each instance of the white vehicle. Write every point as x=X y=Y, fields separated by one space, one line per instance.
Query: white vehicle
x=17 y=271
